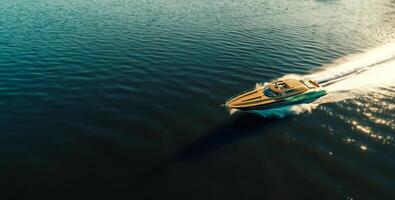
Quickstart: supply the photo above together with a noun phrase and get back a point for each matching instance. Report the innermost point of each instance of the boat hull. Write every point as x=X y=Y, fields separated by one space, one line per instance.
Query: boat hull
x=306 y=97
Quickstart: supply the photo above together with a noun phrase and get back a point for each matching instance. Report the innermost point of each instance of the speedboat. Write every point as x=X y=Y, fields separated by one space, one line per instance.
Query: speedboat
x=277 y=94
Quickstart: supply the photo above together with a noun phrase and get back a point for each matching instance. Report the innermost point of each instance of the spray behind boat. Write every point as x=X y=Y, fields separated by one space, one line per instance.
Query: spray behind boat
x=345 y=78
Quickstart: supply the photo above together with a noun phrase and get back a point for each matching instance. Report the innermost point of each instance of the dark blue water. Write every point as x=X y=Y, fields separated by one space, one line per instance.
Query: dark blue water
x=121 y=99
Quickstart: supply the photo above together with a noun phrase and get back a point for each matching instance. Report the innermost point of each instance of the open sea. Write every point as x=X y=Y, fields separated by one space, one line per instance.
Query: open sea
x=121 y=99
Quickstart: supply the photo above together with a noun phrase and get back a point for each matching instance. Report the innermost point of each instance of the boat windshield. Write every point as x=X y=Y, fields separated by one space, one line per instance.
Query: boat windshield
x=270 y=93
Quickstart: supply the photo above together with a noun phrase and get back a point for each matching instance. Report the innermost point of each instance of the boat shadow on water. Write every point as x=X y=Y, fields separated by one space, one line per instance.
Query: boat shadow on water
x=240 y=126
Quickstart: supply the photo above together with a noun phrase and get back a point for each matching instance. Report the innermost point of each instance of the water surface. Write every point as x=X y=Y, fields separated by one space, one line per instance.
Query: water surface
x=107 y=99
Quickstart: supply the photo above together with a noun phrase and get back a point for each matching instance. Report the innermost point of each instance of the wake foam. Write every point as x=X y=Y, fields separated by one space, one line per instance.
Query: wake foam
x=282 y=111
x=356 y=64
x=357 y=75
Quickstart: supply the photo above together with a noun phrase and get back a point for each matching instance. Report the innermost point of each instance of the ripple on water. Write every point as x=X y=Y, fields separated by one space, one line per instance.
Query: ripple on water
x=123 y=85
